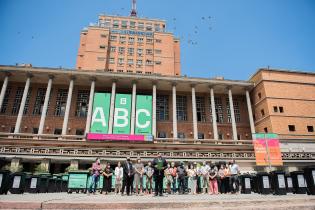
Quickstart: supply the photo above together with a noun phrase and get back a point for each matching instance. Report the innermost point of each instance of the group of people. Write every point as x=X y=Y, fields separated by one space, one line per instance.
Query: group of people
x=203 y=178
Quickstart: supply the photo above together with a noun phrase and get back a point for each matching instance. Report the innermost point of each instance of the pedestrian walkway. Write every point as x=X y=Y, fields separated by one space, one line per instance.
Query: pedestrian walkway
x=100 y=201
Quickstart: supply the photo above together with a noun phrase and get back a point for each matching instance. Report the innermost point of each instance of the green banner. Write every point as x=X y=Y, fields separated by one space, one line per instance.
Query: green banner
x=144 y=115
x=122 y=114
x=100 y=116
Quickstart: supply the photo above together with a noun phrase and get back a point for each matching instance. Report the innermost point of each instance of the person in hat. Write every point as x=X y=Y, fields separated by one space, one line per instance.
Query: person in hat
x=159 y=164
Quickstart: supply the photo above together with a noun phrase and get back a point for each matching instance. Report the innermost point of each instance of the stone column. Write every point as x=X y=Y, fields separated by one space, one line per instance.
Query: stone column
x=194 y=111
x=250 y=112
x=68 y=105
x=3 y=89
x=214 y=115
x=89 y=113
x=15 y=163
x=154 y=110
x=112 y=108
x=174 y=112
x=22 y=105
x=133 y=108
x=45 y=106
x=232 y=114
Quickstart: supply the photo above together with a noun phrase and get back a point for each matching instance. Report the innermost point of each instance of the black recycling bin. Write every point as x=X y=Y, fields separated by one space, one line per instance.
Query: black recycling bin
x=52 y=185
x=263 y=181
x=309 y=174
x=43 y=183
x=17 y=183
x=278 y=182
x=5 y=181
x=27 y=181
x=298 y=181
x=246 y=184
x=58 y=184
x=254 y=183
x=289 y=183
x=33 y=184
x=64 y=185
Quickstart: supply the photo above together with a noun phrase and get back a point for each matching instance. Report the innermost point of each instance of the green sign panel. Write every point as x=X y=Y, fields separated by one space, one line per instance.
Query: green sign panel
x=144 y=115
x=122 y=114
x=101 y=105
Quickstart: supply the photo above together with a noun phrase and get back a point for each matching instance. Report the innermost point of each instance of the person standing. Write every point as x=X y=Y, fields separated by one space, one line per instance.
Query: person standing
x=205 y=176
x=107 y=182
x=192 y=174
x=118 y=177
x=149 y=171
x=221 y=178
x=159 y=164
x=213 y=172
x=227 y=176
x=181 y=174
x=169 y=178
x=234 y=182
x=127 y=176
x=174 y=175
x=96 y=171
x=199 y=176
x=139 y=171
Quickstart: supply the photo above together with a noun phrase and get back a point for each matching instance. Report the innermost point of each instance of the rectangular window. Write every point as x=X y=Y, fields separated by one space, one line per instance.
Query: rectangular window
x=149 y=27
x=79 y=132
x=39 y=101
x=158 y=41
x=139 y=51
x=116 y=24
x=236 y=111
x=158 y=62
x=139 y=72
x=120 y=61
x=18 y=99
x=149 y=41
x=130 y=61
x=82 y=103
x=281 y=109
x=149 y=51
x=275 y=109
x=157 y=27
x=132 y=24
x=107 y=22
x=200 y=107
x=120 y=70
x=161 y=134
x=158 y=51
x=162 y=107
x=219 y=109
x=122 y=39
x=103 y=35
x=129 y=71
x=259 y=95
x=113 y=49
x=149 y=62
x=61 y=102
x=131 y=51
x=181 y=135
x=113 y=38
x=5 y=100
x=291 y=127
x=131 y=40
x=266 y=130
x=310 y=128
x=111 y=60
x=124 y=24
x=35 y=130
x=140 y=40
x=181 y=108
x=121 y=49
x=148 y=72
x=140 y=26
x=102 y=46
x=220 y=136
x=57 y=131
x=201 y=136
x=262 y=112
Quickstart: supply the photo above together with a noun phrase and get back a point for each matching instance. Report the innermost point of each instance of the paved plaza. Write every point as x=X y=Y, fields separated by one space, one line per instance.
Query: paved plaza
x=101 y=201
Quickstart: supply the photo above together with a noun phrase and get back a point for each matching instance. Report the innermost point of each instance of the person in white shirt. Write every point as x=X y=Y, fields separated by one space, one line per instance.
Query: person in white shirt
x=234 y=182
x=118 y=177
x=204 y=170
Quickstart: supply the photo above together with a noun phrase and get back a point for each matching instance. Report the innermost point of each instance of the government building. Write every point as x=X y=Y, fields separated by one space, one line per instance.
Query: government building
x=126 y=97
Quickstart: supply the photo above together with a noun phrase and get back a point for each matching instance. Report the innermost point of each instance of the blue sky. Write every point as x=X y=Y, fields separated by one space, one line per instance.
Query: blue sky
x=230 y=38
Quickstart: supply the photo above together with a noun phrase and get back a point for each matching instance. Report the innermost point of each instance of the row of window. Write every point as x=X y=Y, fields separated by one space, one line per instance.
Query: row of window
x=162 y=105
x=279 y=109
x=131 y=50
x=182 y=135
x=139 y=62
x=131 y=39
x=162 y=109
x=291 y=128
x=57 y=131
x=125 y=24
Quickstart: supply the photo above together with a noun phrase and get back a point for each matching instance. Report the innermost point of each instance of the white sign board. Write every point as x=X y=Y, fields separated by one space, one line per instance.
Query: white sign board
x=281 y=181
x=301 y=180
x=16 y=182
x=247 y=183
x=266 y=182
x=33 y=183
x=289 y=181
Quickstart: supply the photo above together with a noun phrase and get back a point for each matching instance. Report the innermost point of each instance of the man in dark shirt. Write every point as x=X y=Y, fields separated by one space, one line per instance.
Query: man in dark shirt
x=159 y=164
x=181 y=174
x=127 y=177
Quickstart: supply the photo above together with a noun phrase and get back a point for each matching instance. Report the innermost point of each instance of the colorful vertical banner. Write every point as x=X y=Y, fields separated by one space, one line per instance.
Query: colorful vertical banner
x=122 y=114
x=100 y=114
x=143 y=115
x=264 y=145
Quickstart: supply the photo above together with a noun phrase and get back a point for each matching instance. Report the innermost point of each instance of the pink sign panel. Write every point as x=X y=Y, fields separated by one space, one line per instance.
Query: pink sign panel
x=117 y=137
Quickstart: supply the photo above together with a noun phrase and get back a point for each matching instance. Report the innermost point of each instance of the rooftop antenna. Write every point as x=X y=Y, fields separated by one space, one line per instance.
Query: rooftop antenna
x=133 y=9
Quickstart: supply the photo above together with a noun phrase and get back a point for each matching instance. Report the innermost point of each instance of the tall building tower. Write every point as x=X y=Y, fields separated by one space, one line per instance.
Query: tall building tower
x=129 y=44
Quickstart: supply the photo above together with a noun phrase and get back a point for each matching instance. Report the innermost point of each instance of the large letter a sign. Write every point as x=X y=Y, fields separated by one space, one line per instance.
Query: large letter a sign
x=100 y=115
